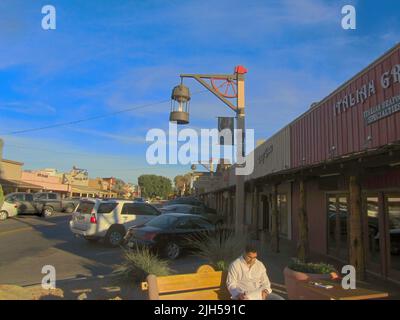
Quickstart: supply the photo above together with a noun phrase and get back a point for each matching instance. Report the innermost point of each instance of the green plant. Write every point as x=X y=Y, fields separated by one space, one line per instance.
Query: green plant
x=219 y=248
x=139 y=263
x=310 y=267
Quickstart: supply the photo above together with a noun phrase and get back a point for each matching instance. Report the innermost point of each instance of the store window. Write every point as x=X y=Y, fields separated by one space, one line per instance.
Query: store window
x=393 y=211
x=337 y=217
x=374 y=251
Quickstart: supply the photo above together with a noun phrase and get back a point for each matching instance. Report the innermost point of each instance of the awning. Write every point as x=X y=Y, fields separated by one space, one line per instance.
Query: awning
x=18 y=184
x=90 y=190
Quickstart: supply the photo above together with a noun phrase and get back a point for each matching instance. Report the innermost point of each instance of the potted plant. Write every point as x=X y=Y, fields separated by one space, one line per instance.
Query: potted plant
x=298 y=271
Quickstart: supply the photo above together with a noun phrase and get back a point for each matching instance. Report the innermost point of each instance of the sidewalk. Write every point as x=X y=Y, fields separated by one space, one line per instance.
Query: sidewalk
x=276 y=262
x=104 y=288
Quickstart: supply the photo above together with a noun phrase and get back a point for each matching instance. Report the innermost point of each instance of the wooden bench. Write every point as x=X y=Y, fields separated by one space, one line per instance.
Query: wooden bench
x=205 y=284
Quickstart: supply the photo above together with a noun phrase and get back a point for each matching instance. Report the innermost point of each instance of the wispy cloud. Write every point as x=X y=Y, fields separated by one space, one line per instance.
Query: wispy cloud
x=32 y=108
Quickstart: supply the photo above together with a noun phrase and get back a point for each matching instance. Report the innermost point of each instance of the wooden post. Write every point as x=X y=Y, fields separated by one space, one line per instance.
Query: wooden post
x=302 y=245
x=228 y=209
x=253 y=208
x=152 y=286
x=356 y=248
x=257 y=213
x=275 y=221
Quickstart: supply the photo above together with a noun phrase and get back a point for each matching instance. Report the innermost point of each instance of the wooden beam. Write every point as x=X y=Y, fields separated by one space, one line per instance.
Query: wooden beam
x=356 y=248
x=275 y=221
x=302 y=246
x=257 y=212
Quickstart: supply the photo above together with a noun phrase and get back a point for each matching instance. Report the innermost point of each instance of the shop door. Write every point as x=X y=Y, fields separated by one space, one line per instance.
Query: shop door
x=392 y=234
x=337 y=220
x=372 y=226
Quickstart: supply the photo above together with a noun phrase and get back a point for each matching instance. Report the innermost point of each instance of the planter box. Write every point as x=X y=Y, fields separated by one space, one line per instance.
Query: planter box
x=293 y=278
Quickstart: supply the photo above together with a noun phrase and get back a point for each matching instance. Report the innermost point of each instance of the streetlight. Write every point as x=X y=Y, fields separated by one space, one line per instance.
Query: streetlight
x=224 y=87
x=180 y=98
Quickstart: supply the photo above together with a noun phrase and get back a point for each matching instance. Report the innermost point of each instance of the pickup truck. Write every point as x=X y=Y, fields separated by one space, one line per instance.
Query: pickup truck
x=48 y=202
x=44 y=203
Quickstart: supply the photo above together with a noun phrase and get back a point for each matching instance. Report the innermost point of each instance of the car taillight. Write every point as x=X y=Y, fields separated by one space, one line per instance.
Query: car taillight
x=149 y=236
x=93 y=219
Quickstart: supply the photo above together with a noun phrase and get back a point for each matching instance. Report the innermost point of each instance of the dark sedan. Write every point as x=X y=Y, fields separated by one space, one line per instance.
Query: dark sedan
x=208 y=213
x=168 y=234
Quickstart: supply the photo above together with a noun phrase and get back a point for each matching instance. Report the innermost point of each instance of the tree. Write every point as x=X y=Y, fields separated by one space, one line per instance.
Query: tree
x=155 y=186
x=182 y=183
x=119 y=187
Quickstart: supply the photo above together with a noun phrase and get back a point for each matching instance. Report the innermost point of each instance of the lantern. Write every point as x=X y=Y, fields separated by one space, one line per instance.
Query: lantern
x=180 y=98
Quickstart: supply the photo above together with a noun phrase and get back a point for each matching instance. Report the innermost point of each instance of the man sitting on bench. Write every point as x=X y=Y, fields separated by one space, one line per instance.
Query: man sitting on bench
x=247 y=278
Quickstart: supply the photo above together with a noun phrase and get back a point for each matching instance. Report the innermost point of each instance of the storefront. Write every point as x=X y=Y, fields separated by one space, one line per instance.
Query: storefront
x=346 y=152
x=331 y=177
x=45 y=181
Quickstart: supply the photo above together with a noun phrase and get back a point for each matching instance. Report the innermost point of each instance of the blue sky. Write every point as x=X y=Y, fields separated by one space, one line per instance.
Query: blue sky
x=110 y=55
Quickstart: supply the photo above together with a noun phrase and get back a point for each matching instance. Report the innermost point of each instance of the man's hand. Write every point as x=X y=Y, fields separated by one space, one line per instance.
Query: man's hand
x=265 y=294
x=242 y=296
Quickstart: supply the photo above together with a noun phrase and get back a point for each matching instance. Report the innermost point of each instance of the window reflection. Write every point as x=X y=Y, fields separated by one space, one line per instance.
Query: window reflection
x=373 y=230
x=393 y=207
x=337 y=226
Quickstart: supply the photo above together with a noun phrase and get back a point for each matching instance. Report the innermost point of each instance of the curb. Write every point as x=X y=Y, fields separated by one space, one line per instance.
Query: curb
x=108 y=276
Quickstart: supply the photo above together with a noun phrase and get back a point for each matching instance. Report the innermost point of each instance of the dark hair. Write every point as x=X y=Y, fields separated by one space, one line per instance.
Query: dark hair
x=250 y=248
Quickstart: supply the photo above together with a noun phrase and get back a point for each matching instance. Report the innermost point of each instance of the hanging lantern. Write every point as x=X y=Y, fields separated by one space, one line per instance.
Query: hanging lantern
x=180 y=98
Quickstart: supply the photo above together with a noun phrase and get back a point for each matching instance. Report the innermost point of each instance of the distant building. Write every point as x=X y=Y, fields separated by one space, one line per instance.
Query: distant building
x=46 y=181
x=11 y=178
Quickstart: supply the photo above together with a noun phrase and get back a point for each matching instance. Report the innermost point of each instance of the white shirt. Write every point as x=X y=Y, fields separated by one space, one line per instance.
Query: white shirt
x=243 y=278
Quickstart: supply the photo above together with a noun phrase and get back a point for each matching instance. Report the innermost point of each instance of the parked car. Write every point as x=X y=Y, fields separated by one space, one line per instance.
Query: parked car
x=207 y=212
x=43 y=203
x=168 y=233
x=25 y=201
x=97 y=219
x=47 y=203
x=185 y=200
x=8 y=209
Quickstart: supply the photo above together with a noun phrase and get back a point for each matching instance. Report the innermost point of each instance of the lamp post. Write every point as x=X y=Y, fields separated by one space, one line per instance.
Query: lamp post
x=224 y=87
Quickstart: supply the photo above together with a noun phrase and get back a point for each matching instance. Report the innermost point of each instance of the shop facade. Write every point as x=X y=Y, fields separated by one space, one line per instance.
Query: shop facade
x=330 y=180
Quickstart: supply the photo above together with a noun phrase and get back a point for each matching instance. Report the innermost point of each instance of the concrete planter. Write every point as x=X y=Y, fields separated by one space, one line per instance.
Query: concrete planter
x=293 y=278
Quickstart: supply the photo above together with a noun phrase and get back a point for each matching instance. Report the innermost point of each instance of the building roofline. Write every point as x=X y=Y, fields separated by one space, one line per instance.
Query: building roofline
x=12 y=161
x=348 y=82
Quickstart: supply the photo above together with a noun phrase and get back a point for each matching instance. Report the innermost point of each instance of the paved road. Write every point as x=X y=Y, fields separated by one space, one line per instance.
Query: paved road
x=27 y=243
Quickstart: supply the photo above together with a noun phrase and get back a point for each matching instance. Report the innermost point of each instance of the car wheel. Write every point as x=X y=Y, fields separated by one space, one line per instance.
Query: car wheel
x=3 y=215
x=47 y=212
x=115 y=236
x=172 y=251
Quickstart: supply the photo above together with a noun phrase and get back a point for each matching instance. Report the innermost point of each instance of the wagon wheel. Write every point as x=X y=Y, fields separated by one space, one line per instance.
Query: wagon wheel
x=225 y=87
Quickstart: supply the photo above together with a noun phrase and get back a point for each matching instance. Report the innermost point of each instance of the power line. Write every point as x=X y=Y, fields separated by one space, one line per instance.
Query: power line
x=53 y=151
x=63 y=124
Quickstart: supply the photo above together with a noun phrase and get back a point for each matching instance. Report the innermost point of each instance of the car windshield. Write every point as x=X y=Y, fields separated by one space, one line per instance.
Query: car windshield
x=162 y=222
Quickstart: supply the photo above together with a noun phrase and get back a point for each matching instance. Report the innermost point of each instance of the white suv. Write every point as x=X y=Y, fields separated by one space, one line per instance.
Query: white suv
x=95 y=219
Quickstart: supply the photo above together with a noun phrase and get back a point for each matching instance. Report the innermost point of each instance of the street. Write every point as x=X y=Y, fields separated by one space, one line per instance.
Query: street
x=27 y=243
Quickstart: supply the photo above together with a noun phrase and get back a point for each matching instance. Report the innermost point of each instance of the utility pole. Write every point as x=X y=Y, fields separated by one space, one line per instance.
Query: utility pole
x=224 y=87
